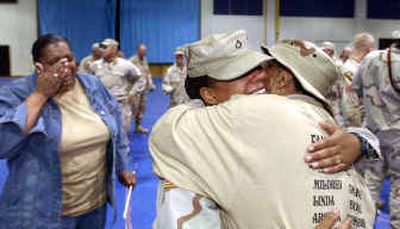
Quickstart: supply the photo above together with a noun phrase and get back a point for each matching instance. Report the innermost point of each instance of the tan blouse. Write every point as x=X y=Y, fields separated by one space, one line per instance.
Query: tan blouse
x=83 y=146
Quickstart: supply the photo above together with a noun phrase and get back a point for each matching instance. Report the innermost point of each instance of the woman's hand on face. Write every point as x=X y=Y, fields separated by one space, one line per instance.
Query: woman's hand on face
x=50 y=79
x=127 y=178
x=335 y=153
x=330 y=219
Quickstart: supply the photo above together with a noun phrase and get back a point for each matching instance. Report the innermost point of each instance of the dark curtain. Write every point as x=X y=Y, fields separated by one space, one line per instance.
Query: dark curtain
x=82 y=22
x=162 y=25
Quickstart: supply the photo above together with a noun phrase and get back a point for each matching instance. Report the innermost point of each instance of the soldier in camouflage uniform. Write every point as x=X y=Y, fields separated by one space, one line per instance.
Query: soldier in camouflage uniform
x=350 y=104
x=180 y=208
x=174 y=81
x=378 y=84
x=116 y=74
x=345 y=54
x=334 y=95
x=140 y=89
x=87 y=61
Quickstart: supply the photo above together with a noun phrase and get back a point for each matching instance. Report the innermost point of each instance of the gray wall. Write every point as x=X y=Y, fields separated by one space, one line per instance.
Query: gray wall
x=338 y=30
x=18 y=29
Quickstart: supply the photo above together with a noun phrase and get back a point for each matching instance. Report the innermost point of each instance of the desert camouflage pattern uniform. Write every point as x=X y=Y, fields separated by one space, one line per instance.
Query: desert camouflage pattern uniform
x=117 y=77
x=178 y=208
x=174 y=85
x=181 y=208
x=140 y=89
x=335 y=97
x=351 y=105
x=85 y=64
x=382 y=116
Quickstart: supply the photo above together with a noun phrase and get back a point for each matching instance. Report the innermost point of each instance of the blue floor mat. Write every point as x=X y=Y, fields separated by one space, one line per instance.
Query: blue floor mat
x=144 y=195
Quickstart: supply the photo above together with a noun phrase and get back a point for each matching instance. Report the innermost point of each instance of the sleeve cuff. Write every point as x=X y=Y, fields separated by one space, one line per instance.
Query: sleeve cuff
x=19 y=118
x=123 y=160
x=122 y=166
x=369 y=143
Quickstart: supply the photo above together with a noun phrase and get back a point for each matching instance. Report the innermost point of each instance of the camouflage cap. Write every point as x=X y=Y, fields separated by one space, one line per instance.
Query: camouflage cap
x=96 y=45
x=312 y=67
x=179 y=51
x=222 y=56
x=110 y=42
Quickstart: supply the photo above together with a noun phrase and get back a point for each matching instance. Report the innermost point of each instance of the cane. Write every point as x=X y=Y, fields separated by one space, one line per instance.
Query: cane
x=127 y=211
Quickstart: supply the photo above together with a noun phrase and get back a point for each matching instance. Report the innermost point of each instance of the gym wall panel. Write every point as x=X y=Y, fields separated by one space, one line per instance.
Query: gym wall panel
x=212 y=23
x=82 y=22
x=162 y=25
x=317 y=8
x=383 y=9
x=238 y=7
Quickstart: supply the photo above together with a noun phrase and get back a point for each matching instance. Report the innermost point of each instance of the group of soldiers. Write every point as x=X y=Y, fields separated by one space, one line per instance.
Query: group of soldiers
x=230 y=161
x=130 y=80
x=233 y=157
x=367 y=94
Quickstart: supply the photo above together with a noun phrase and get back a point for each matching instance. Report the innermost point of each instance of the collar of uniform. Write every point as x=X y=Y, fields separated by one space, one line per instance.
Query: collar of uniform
x=115 y=61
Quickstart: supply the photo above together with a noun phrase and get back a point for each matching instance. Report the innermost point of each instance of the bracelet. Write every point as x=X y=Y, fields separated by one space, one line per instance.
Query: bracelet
x=366 y=149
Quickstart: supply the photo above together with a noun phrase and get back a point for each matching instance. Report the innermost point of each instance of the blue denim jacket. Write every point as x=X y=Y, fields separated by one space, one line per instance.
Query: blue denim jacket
x=31 y=197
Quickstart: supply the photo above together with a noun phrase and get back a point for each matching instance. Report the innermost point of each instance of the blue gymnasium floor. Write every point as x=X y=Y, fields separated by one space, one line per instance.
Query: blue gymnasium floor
x=144 y=196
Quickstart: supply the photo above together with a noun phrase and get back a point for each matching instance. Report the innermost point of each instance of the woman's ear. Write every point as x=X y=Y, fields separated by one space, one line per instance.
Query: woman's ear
x=208 y=95
x=38 y=67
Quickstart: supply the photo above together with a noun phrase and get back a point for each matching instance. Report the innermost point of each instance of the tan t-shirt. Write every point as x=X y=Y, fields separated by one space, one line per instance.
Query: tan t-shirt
x=83 y=146
x=247 y=155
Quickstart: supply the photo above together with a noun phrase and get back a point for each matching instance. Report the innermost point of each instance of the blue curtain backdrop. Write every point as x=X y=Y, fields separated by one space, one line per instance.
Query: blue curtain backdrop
x=83 y=22
x=162 y=25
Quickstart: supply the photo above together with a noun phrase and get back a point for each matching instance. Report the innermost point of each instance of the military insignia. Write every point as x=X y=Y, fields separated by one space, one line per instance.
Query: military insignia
x=304 y=50
x=238 y=44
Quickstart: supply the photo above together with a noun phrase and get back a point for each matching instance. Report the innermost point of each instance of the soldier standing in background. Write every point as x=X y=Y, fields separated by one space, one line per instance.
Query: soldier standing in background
x=87 y=61
x=329 y=48
x=345 y=54
x=334 y=94
x=377 y=82
x=174 y=81
x=351 y=105
x=140 y=89
x=117 y=75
